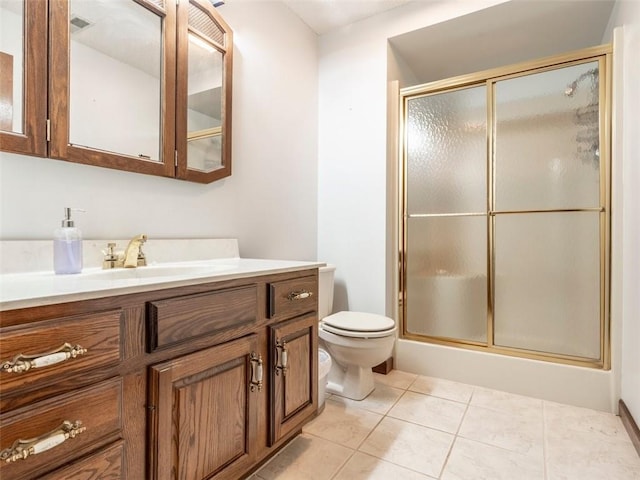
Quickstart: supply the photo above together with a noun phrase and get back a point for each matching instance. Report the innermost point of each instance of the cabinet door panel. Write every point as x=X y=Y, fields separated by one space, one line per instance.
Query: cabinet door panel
x=294 y=385
x=205 y=414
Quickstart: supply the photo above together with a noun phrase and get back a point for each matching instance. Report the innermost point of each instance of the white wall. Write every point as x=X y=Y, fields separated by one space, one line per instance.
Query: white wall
x=269 y=202
x=352 y=160
x=626 y=200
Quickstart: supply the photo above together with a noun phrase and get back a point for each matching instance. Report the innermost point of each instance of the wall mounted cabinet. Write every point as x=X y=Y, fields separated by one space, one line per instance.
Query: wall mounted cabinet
x=139 y=85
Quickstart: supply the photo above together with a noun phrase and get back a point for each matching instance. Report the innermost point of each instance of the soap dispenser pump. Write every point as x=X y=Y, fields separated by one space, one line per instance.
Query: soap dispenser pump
x=67 y=246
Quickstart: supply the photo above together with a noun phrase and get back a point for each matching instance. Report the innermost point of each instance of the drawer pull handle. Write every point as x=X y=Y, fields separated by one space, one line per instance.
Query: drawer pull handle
x=301 y=295
x=282 y=358
x=22 y=449
x=22 y=363
x=256 y=372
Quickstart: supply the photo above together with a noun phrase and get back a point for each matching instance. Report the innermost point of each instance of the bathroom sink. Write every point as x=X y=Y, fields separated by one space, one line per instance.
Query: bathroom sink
x=156 y=271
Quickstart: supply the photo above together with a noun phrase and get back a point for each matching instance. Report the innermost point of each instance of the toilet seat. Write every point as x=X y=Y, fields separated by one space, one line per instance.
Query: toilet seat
x=358 y=324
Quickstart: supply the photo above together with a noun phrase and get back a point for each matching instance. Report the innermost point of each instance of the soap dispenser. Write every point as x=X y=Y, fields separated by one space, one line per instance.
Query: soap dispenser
x=67 y=246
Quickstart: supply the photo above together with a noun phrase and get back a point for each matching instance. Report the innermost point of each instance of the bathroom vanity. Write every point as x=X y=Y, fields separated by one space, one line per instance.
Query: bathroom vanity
x=169 y=375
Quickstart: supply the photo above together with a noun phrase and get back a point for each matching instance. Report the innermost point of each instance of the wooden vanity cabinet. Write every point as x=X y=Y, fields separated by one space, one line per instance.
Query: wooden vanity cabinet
x=198 y=382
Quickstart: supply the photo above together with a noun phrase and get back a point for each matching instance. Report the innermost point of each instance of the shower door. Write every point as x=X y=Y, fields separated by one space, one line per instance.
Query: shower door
x=506 y=211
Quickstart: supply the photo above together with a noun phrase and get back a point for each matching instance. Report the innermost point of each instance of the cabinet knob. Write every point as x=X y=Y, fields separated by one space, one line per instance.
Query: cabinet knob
x=22 y=363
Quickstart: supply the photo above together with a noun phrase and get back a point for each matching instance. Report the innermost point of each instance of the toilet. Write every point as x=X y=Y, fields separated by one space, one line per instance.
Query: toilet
x=356 y=342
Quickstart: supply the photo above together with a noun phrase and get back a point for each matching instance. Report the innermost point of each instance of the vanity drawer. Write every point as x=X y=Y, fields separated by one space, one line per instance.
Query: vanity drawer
x=98 y=408
x=182 y=318
x=290 y=298
x=107 y=463
x=48 y=352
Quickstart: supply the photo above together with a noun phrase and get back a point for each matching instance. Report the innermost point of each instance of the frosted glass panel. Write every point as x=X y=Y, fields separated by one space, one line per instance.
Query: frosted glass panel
x=547 y=284
x=446 y=289
x=547 y=140
x=446 y=152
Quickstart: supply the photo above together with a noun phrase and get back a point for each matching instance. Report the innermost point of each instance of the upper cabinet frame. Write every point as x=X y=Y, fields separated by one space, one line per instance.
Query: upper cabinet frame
x=49 y=103
x=33 y=138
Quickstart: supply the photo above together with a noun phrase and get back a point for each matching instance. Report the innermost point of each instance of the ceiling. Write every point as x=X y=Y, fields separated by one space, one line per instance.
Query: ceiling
x=326 y=15
x=505 y=34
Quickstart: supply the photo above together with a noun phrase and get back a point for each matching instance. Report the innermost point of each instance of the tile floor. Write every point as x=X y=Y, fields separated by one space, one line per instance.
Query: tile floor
x=414 y=427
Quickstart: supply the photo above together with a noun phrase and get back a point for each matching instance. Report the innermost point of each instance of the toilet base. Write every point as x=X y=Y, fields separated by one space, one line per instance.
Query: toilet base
x=354 y=382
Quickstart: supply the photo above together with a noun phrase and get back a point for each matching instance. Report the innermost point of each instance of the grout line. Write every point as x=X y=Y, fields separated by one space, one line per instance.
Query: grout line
x=455 y=437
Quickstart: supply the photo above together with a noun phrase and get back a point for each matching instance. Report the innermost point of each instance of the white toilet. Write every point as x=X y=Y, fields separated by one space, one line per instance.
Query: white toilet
x=356 y=342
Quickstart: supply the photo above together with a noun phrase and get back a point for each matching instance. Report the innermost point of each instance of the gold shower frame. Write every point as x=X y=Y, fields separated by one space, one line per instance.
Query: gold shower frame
x=602 y=54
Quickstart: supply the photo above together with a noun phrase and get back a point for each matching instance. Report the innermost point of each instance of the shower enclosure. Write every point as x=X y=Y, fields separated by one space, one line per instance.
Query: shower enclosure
x=505 y=211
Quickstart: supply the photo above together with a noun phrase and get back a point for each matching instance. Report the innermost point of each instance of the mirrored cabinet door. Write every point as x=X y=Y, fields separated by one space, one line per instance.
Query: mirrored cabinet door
x=23 y=76
x=112 y=83
x=203 y=129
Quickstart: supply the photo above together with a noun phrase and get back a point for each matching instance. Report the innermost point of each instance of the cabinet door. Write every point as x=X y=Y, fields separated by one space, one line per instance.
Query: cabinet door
x=294 y=374
x=111 y=84
x=204 y=413
x=203 y=92
x=23 y=77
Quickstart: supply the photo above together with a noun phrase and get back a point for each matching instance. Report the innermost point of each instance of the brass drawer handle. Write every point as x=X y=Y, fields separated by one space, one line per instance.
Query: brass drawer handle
x=282 y=358
x=22 y=449
x=301 y=295
x=22 y=363
x=256 y=372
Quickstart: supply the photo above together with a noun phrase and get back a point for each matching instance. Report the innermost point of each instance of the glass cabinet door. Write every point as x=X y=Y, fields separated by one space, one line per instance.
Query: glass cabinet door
x=23 y=76
x=110 y=68
x=203 y=128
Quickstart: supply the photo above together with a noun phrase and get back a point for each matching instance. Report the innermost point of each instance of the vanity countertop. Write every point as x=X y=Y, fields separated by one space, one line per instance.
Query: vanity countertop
x=32 y=289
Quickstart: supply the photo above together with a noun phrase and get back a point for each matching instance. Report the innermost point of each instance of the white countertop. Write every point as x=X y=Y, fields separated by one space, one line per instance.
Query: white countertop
x=22 y=290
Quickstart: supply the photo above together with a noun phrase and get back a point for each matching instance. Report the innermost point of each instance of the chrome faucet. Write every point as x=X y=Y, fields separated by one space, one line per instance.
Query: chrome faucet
x=133 y=255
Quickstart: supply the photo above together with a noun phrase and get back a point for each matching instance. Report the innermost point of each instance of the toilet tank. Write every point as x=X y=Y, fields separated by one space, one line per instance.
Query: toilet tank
x=325 y=290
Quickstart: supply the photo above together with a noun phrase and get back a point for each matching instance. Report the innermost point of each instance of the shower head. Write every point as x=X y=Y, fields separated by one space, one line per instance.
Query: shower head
x=571 y=89
x=573 y=86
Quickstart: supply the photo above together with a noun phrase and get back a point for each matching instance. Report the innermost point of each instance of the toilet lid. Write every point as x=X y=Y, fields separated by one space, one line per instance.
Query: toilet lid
x=358 y=324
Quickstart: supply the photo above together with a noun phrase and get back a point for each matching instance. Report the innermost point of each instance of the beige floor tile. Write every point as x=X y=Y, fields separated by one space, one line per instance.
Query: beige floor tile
x=507 y=402
x=379 y=401
x=588 y=456
x=409 y=445
x=395 y=378
x=343 y=424
x=558 y=419
x=366 y=467
x=306 y=457
x=429 y=411
x=518 y=433
x=438 y=387
x=470 y=460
